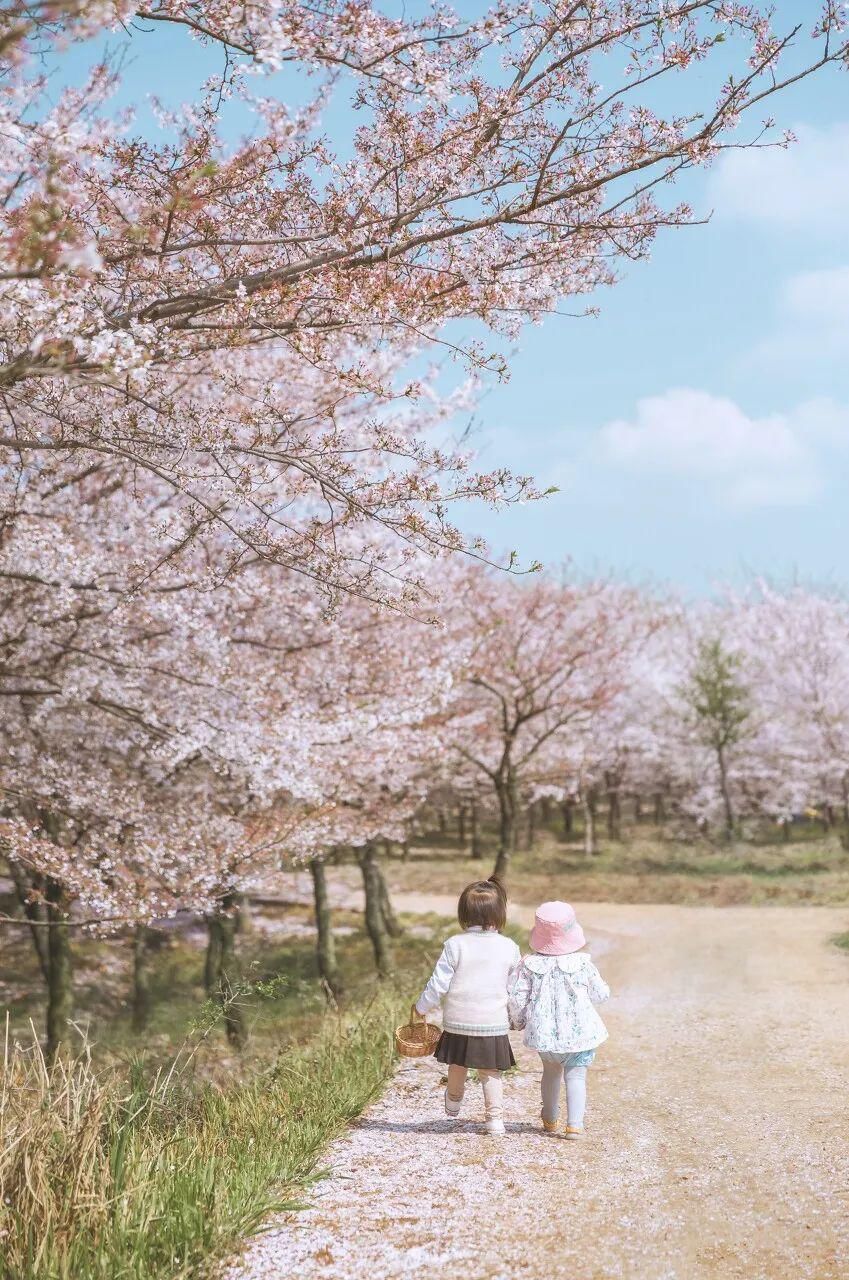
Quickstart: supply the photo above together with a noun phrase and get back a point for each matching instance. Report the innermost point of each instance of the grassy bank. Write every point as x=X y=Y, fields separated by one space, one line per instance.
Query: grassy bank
x=100 y=1180
x=140 y=1166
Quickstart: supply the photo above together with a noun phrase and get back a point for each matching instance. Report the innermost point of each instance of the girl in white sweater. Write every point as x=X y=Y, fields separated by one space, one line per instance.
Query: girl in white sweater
x=470 y=981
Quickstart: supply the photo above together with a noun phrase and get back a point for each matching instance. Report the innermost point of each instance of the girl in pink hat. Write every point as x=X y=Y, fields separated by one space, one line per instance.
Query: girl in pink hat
x=552 y=995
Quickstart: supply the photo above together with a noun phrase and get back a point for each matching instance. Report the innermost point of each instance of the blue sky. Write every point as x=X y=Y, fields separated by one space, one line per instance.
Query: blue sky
x=698 y=429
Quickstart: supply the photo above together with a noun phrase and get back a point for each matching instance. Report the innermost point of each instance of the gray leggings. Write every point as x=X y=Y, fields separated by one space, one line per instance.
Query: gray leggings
x=553 y=1072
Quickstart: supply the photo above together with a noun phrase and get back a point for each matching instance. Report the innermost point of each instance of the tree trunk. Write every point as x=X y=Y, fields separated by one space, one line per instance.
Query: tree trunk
x=638 y=807
x=246 y=915
x=234 y=1017
x=545 y=810
x=34 y=911
x=785 y=832
x=222 y=969
x=212 y=960
x=461 y=826
x=531 y=828
x=375 y=920
x=659 y=808
x=393 y=925
x=477 y=847
x=567 y=808
x=326 y=945
x=59 y=968
x=590 y=846
x=614 y=807
x=506 y=791
x=844 y=788
x=443 y=823
x=142 y=1001
x=730 y=821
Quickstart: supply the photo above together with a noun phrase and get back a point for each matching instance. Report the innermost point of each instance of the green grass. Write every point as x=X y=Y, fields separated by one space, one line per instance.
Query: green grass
x=646 y=867
x=842 y=941
x=115 y=1167
x=175 y=1173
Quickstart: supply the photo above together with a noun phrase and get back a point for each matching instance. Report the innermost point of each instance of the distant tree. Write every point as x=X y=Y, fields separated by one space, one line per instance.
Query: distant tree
x=541 y=659
x=720 y=703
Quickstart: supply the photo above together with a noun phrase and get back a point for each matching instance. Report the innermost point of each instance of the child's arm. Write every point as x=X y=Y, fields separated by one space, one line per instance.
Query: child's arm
x=518 y=994
x=440 y=981
x=596 y=985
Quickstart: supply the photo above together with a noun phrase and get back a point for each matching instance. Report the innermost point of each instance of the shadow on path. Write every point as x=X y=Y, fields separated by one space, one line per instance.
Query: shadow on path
x=444 y=1126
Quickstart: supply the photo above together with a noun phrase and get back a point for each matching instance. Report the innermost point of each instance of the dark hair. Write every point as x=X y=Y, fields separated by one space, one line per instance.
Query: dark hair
x=483 y=903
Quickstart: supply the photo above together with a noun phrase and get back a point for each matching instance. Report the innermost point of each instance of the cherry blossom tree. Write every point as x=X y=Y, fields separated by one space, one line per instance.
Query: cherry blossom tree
x=144 y=762
x=796 y=642
x=235 y=321
x=167 y=744
x=728 y=737
x=541 y=658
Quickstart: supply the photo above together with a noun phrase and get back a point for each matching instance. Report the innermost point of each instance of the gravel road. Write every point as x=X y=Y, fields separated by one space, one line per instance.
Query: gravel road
x=716 y=1139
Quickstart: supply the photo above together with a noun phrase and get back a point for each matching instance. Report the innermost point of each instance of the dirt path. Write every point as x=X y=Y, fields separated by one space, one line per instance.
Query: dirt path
x=717 y=1128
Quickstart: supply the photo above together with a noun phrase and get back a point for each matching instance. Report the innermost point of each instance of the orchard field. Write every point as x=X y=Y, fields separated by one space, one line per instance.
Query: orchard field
x=268 y=699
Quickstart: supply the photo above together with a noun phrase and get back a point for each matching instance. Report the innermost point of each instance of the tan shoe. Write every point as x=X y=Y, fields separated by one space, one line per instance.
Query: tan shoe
x=573 y=1132
x=550 y=1126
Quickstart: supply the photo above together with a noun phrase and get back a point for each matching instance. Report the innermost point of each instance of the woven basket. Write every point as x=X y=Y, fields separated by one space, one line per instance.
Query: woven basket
x=417 y=1038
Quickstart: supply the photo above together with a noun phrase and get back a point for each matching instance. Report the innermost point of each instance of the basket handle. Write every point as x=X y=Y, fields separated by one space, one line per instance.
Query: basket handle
x=415 y=1016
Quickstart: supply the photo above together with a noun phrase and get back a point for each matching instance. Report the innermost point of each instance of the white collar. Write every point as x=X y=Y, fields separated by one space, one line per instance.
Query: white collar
x=538 y=963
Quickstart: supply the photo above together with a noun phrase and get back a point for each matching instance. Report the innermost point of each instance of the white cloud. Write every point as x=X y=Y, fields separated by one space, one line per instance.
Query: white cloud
x=817 y=297
x=709 y=441
x=812 y=325
x=802 y=188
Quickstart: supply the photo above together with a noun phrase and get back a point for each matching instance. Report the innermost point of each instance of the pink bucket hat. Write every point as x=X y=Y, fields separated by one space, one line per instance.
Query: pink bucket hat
x=556 y=931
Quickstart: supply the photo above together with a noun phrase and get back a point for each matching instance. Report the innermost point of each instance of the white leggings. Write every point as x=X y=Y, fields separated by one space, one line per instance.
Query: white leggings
x=576 y=1092
x=493 y=1090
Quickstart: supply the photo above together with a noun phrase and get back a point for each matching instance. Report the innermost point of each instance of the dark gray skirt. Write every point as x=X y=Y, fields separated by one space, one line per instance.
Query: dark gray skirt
x=490 y=1053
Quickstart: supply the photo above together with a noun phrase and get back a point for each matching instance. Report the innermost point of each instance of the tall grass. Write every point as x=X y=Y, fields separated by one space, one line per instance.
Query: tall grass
x=105 y=1176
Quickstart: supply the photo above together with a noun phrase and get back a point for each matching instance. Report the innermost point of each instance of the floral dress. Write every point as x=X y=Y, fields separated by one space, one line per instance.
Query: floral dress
x=552 y=998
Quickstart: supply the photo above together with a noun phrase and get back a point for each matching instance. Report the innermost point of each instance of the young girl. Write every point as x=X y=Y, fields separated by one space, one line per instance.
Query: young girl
x=551 y=996
x=470 y=979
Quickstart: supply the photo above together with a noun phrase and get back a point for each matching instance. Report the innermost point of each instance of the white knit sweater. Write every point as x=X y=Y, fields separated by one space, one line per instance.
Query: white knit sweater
x=471 y=978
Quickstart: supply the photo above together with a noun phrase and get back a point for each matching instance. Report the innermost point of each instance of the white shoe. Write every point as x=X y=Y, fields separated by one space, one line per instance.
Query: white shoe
x=496 y=1128
x=452 y=1107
